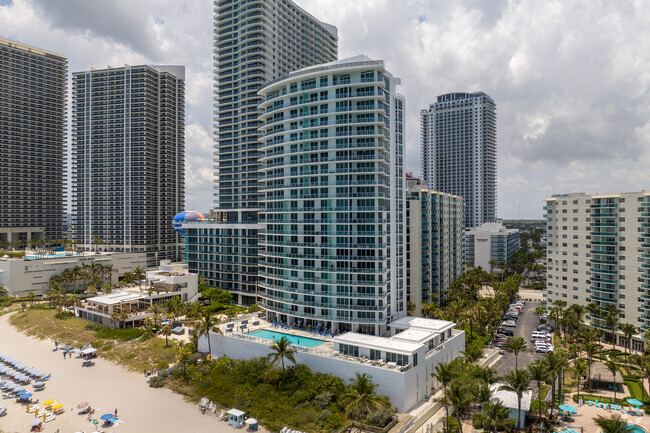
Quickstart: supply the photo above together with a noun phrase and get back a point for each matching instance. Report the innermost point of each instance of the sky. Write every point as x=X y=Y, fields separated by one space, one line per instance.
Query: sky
x=571 y=79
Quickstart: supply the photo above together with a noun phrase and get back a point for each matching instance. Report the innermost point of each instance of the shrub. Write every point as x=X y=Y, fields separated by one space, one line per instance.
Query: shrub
x=323 y=399
x=162 y=365
x=64 y=315
x=107 y=348
x=118 y=334
x=380 y=418
x=156 y=382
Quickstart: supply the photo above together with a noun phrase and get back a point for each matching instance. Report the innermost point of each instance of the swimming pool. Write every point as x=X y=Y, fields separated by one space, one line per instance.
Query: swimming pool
x=636 y=429
x=293 y=339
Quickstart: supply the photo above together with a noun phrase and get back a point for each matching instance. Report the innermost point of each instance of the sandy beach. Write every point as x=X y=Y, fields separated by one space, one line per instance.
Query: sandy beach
x=106 y=386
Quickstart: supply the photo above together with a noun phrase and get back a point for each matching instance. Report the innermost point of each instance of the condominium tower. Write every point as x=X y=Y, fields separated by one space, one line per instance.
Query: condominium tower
x=32 y=138
x=434 y=241
x=459 y=151
x=255 y=41
x=128 y=156
x=598 y=250
x=333 y=249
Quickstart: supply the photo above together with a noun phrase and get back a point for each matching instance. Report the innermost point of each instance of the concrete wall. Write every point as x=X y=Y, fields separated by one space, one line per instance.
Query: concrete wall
x=405 y=389
x=21 y=276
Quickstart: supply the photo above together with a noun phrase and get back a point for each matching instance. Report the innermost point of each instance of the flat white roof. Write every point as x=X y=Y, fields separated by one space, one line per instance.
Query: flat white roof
x=114 y=298
x=422 y=324
x=378 y=343
x=414 y=335
x=509 y=399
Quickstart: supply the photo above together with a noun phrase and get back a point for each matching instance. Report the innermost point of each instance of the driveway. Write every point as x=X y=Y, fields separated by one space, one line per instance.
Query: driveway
x=526 y=324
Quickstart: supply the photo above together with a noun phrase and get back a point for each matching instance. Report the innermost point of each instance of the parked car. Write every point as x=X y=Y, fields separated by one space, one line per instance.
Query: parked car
x=506 y=332
x=543 y=348
x=546 y=328
x=509 y=324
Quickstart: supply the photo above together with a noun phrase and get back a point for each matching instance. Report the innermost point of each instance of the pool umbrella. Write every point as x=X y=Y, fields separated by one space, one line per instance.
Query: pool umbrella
x=634 y=401
x=35 y=423
x=49 y=402
x=82 y=405
x=106 y=416
x=567 y=408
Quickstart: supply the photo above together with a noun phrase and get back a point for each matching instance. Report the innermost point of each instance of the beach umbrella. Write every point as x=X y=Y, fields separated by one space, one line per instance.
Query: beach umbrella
x=634 y=401
x=82 y=405
x=57 y=406
x=38 y=384
x=25 y=396
x=49 y=402
x=20 y=393
x=35 y=423
x=251 y=421
x=19 y=388
x=106 y=416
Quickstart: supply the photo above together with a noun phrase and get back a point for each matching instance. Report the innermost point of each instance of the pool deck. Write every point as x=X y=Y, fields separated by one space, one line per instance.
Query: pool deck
x=586 y=414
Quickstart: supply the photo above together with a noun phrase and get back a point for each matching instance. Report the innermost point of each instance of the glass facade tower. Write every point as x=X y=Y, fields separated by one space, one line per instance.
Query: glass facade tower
x=333 y=249
x=128 y=156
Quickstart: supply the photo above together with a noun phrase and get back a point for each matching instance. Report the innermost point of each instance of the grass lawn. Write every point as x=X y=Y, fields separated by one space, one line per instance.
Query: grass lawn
x=135 y=355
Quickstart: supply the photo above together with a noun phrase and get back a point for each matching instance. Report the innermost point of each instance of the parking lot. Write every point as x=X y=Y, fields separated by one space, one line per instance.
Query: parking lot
x=526 y=324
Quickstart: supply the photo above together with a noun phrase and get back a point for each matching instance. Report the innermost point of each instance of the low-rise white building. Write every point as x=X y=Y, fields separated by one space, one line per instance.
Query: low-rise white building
x=510 y=401
x=32 y=272
x=401 y=365
x=171 y=280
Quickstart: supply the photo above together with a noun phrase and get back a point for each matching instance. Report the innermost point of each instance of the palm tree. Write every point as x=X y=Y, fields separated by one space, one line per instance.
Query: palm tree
x=580 y=370
x=472 y=353
x=97 y=240
x=628 y=330
x=614 y=367
x=206 y=325
x=166 y=331
x=591 y=349
x=31 y=297
x=183 y=353
x=139 y=274
x=494 y=412
x=515 y=346
x=517 y=381
x=642 y=364
x=283 y=349
x=3 y=291
x=613 y=424
x=460 y=399
x=553 y=363
x=360 y=397
x=444 y=373
x=540 y=374
x=611 y=320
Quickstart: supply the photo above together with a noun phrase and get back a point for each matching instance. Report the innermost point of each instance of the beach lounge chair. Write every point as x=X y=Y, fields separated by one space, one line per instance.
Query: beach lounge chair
x=46 y=377
x=49 y=416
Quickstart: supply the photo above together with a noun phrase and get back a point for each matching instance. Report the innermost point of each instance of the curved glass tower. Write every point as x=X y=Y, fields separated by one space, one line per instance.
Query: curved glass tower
x=332 y=254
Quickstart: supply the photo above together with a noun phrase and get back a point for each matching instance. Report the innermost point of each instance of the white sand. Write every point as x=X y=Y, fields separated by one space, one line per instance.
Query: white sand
x=106 y=386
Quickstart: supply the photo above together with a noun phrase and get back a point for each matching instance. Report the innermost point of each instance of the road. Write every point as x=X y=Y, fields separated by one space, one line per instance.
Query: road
x=526 y=324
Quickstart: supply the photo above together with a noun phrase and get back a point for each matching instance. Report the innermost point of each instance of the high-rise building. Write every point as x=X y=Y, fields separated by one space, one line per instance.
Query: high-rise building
x=434 y=241
x=598 y=251
x=333 y=249
x=128 y=156
x=32 y=138
x=491 y=244
x=459 y=151
x=255 y=41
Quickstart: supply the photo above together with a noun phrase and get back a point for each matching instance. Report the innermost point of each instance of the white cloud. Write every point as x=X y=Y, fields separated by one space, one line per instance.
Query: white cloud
x=571 y=79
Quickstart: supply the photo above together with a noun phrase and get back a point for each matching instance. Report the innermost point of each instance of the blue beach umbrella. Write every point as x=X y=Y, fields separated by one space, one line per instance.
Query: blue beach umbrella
x=106 y=416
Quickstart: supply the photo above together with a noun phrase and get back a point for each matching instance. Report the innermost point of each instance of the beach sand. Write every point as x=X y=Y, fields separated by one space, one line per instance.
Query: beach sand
x=105 y=386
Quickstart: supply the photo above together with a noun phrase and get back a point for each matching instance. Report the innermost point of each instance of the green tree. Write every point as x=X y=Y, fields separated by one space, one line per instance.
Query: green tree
x=183 y=353
x=642 y=364
x=628 y=330
x=613 y=424
x=360 y=398
x=614 y=368
x=494 y=412
x=3 y=291
x=207 y=324
x=517 y=381
x=591 y=349
x=444 y=373
x=166 y=331
x=460 y=399
x=282 y=350
x=515 y=346
x=539 y=373
x=580 y=370
x=139 y=274
x=611 y=320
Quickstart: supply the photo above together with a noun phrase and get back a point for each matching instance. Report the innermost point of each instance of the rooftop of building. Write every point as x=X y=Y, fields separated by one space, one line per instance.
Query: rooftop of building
x=492 y=227
x=177 y=71
x=509 y=399
x=30 y=48
x=382 y=343
x=555 y=197
x=430 y=325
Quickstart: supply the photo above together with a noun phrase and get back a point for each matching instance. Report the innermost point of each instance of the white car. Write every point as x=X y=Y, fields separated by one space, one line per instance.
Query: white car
x=541 y=347
x=509 y=324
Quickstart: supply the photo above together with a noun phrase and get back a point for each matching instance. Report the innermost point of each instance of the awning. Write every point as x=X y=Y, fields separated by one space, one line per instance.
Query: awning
x=89 y=351
x=235 y=412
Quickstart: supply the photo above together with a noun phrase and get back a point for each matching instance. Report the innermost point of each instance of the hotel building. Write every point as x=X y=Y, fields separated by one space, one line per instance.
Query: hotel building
x=331 y=155
x=32 y=135
x=434 y=240
x=255 y=41
x=128 y=156
x=598 y=251
x=491 y=242
x=459 y=151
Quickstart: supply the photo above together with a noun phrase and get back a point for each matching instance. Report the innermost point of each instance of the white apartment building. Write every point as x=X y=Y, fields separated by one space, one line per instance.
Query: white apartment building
x=598 y=250
x=401 y=364
x=32 y=272
x=491 y=242
x=331 y=155
x=434 y=239
x=459 y=151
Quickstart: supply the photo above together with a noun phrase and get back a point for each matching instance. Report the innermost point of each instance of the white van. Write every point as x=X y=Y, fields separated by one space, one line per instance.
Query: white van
x=538 y=335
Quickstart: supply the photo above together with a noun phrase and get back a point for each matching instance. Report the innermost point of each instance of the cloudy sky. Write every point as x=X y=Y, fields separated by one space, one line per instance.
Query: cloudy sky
x=571 y=78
